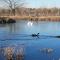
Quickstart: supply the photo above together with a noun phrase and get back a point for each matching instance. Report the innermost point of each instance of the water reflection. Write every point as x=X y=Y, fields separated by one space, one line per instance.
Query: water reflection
x=30 y=23
x=12 y=28
x=29 y=27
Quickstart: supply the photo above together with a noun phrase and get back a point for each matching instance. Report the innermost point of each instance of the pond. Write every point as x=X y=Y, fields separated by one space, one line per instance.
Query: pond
x=16 y=42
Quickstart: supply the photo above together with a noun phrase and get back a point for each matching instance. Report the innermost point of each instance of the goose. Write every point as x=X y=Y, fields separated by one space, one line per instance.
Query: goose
x=34 y=35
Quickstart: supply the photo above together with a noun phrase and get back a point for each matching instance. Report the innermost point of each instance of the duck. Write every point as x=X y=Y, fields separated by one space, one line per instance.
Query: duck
x=34 y=35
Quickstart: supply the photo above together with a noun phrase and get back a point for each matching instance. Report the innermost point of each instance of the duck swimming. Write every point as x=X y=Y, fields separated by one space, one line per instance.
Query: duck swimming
x=34 y=35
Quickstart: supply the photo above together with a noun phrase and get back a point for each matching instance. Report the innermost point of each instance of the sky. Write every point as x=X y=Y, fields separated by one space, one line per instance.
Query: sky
x=43 y=3
x=39 y=3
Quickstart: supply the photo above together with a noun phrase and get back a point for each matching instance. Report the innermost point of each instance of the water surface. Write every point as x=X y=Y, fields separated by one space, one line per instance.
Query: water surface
x=15 y=35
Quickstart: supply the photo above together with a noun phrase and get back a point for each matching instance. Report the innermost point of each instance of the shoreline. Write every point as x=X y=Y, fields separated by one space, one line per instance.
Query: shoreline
x=40 y=18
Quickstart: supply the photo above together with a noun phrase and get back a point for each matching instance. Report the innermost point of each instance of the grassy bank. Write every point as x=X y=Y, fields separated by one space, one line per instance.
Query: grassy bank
x=41 y=18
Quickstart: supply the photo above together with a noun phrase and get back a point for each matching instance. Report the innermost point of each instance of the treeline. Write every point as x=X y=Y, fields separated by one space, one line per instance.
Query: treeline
x=31 y=12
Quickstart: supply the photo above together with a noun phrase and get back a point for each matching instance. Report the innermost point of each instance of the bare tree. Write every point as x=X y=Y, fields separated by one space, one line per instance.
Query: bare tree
x=13 y=4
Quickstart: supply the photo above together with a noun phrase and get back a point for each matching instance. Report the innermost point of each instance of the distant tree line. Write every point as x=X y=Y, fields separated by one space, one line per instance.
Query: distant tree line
x=16 y=7
x=11 y=6
x=21 y=11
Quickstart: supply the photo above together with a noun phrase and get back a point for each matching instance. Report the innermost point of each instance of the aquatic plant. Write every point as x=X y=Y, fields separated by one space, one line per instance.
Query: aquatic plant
x=13 y=53
x=9 y=53
x=46 y=50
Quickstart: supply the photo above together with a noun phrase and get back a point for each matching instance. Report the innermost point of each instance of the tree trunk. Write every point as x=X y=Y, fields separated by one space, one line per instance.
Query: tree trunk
x=13 y=12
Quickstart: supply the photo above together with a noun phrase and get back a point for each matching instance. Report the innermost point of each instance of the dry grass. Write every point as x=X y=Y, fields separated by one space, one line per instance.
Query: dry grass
x=45 y=18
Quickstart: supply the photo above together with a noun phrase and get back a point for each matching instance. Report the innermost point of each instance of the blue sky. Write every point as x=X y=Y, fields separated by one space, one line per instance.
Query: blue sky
x=40 y=3
x=43 y=3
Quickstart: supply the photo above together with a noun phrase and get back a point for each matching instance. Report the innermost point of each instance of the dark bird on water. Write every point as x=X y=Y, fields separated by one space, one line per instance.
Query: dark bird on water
x=57 y=36
x=34 y=35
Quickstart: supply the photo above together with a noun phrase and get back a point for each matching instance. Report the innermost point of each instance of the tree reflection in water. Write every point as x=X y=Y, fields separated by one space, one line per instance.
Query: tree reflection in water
x=12 y=53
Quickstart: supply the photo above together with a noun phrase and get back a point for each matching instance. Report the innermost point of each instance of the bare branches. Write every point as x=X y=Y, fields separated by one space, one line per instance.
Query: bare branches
x=6 y=1
x=13 y=4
